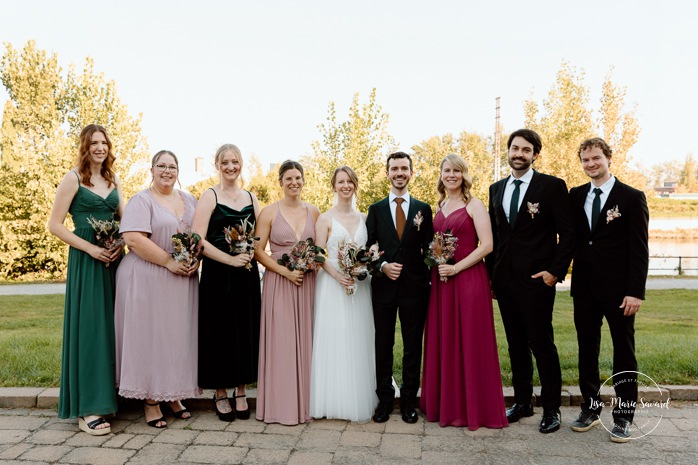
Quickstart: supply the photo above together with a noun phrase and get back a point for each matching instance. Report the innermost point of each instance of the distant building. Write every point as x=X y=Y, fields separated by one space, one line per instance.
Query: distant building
x=199 y=166
x=667 y=190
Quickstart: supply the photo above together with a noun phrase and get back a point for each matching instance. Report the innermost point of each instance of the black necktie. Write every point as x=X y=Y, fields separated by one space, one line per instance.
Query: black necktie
x=596 y=207
x=514 y=205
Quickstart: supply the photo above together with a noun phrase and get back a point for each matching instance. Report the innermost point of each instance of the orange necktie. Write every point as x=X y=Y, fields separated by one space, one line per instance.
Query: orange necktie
x=400 y=219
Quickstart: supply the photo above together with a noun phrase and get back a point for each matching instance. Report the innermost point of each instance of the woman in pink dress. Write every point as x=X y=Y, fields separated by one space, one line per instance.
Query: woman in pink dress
x=462 y=383
x=155 y=313
x=285 y=342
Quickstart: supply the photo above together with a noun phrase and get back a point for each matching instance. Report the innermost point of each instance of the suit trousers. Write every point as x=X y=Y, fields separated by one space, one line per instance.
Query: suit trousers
x=412 y=314
x=588 y=319
x=527 y=314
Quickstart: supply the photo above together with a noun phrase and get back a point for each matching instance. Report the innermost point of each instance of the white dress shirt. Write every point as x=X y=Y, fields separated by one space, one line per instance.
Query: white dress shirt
x=393 y=204
x=605 y=190
x=509 y=190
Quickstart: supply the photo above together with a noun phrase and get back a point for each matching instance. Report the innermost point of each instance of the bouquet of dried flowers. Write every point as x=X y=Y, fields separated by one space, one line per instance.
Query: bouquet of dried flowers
x=356 y=261
x=441 y=250
x=187 y=247
x=304 y=256
x=107 y=233
x=241 y=238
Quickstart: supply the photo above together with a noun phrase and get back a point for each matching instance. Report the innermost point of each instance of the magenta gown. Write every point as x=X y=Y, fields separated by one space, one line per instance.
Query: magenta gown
x=286 y=335
x=461 y=383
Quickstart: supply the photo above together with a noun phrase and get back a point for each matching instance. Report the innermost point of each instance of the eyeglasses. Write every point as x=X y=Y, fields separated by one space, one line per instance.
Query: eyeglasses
x=162 y=168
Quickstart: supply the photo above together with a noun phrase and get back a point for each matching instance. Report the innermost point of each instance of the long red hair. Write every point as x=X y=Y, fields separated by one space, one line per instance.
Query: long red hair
x=83 y=163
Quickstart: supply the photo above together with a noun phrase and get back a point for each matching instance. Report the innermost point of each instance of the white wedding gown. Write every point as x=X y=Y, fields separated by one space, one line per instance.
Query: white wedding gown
x=343 y=369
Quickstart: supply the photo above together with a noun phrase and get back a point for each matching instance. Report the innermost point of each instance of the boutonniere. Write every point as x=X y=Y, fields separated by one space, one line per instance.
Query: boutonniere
x=418 y=218
x=612 y=214
x=533 y=208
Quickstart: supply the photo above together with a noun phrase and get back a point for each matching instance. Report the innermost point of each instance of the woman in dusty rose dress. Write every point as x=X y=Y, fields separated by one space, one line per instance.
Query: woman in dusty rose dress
x=155 y=313
x=462 y=383
x=285 y=343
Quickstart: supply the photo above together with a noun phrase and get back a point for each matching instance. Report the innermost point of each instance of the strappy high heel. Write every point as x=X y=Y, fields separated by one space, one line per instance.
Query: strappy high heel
x=154 y=423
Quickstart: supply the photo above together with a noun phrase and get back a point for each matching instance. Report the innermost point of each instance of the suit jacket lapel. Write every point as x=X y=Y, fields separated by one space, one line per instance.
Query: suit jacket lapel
x=411 y=213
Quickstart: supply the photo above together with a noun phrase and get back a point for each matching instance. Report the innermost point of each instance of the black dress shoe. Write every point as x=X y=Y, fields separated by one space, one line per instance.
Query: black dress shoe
x=409 y=414
x=550 y=421
x=383 y=412
x=518 y=411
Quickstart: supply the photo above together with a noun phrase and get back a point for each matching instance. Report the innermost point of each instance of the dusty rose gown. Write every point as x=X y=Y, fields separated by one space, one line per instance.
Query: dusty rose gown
x=156 y=311
x=286 y=337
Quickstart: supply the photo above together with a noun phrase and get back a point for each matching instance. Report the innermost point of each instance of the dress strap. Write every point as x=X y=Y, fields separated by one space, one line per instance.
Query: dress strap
x=77 y=176
x=250 y=194
x=214 y=193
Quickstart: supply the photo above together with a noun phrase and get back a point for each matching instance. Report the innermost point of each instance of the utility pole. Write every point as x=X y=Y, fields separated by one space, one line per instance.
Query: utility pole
x=497 y=145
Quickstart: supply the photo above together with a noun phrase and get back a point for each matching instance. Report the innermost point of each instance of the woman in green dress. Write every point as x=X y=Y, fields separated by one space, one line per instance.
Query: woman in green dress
x=91 y=190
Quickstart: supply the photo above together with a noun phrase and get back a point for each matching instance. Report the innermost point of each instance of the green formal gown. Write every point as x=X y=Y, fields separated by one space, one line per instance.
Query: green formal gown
x=88 y=366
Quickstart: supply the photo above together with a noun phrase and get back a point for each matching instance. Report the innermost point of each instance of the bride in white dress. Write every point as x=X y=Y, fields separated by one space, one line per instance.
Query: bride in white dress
x=343 y=373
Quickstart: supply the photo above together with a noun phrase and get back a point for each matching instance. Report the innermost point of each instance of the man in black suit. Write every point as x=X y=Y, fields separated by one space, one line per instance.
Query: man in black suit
x=608 y=280
x=528 y=211
x=402 y=226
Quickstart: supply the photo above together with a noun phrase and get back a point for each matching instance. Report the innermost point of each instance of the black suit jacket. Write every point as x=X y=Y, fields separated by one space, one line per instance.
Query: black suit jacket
x=409 y=251
x=531 y=245
x=612 y=259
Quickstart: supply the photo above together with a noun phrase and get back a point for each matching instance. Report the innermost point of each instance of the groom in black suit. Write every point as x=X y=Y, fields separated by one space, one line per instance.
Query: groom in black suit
x=608 y=280
x=529 y=211
x=402 y=226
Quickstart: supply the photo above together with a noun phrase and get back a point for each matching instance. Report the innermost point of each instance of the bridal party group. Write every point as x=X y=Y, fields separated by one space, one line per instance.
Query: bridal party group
x=185 y=310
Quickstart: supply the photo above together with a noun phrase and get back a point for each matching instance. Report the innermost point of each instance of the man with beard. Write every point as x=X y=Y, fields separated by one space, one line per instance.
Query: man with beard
x=529 y=211
x=402 y=227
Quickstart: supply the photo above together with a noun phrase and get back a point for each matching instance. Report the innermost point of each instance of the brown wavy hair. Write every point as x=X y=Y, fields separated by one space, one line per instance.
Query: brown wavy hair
x=458 y=163
x=107 y=170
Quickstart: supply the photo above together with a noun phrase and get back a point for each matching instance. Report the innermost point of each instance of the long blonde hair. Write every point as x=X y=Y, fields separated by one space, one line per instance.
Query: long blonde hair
x=457 y=162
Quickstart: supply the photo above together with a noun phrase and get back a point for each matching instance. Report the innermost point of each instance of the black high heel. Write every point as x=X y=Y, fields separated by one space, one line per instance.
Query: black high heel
x=241 y=414
x=229 y=416
x=154 y=423
x=179 y=413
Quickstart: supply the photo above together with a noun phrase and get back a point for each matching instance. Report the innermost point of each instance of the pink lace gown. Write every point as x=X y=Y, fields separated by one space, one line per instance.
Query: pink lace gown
x=461 y=383
x=286 y=335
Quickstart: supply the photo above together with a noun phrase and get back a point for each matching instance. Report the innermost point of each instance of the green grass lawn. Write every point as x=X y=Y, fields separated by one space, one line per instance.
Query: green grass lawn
x=666 y=340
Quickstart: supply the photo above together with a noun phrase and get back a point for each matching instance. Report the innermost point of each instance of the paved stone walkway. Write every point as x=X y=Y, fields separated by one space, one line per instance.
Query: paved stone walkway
x=37 y=437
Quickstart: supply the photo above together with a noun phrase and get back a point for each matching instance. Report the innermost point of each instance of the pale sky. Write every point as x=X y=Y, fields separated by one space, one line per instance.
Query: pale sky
x=260 y=74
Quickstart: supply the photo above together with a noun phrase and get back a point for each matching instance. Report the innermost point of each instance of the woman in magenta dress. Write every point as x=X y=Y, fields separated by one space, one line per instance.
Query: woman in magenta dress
x=462 y=383
x=285 y=342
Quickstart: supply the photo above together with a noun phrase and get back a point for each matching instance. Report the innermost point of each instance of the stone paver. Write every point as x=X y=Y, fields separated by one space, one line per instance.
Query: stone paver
x=156 y=454
x=214 y=454
x=12 y=452
x=50 y=436
x=46 y=453
x=94 y=455
x=33 y=437
x=319 y=440
x=310 y=458
x=266 y=457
